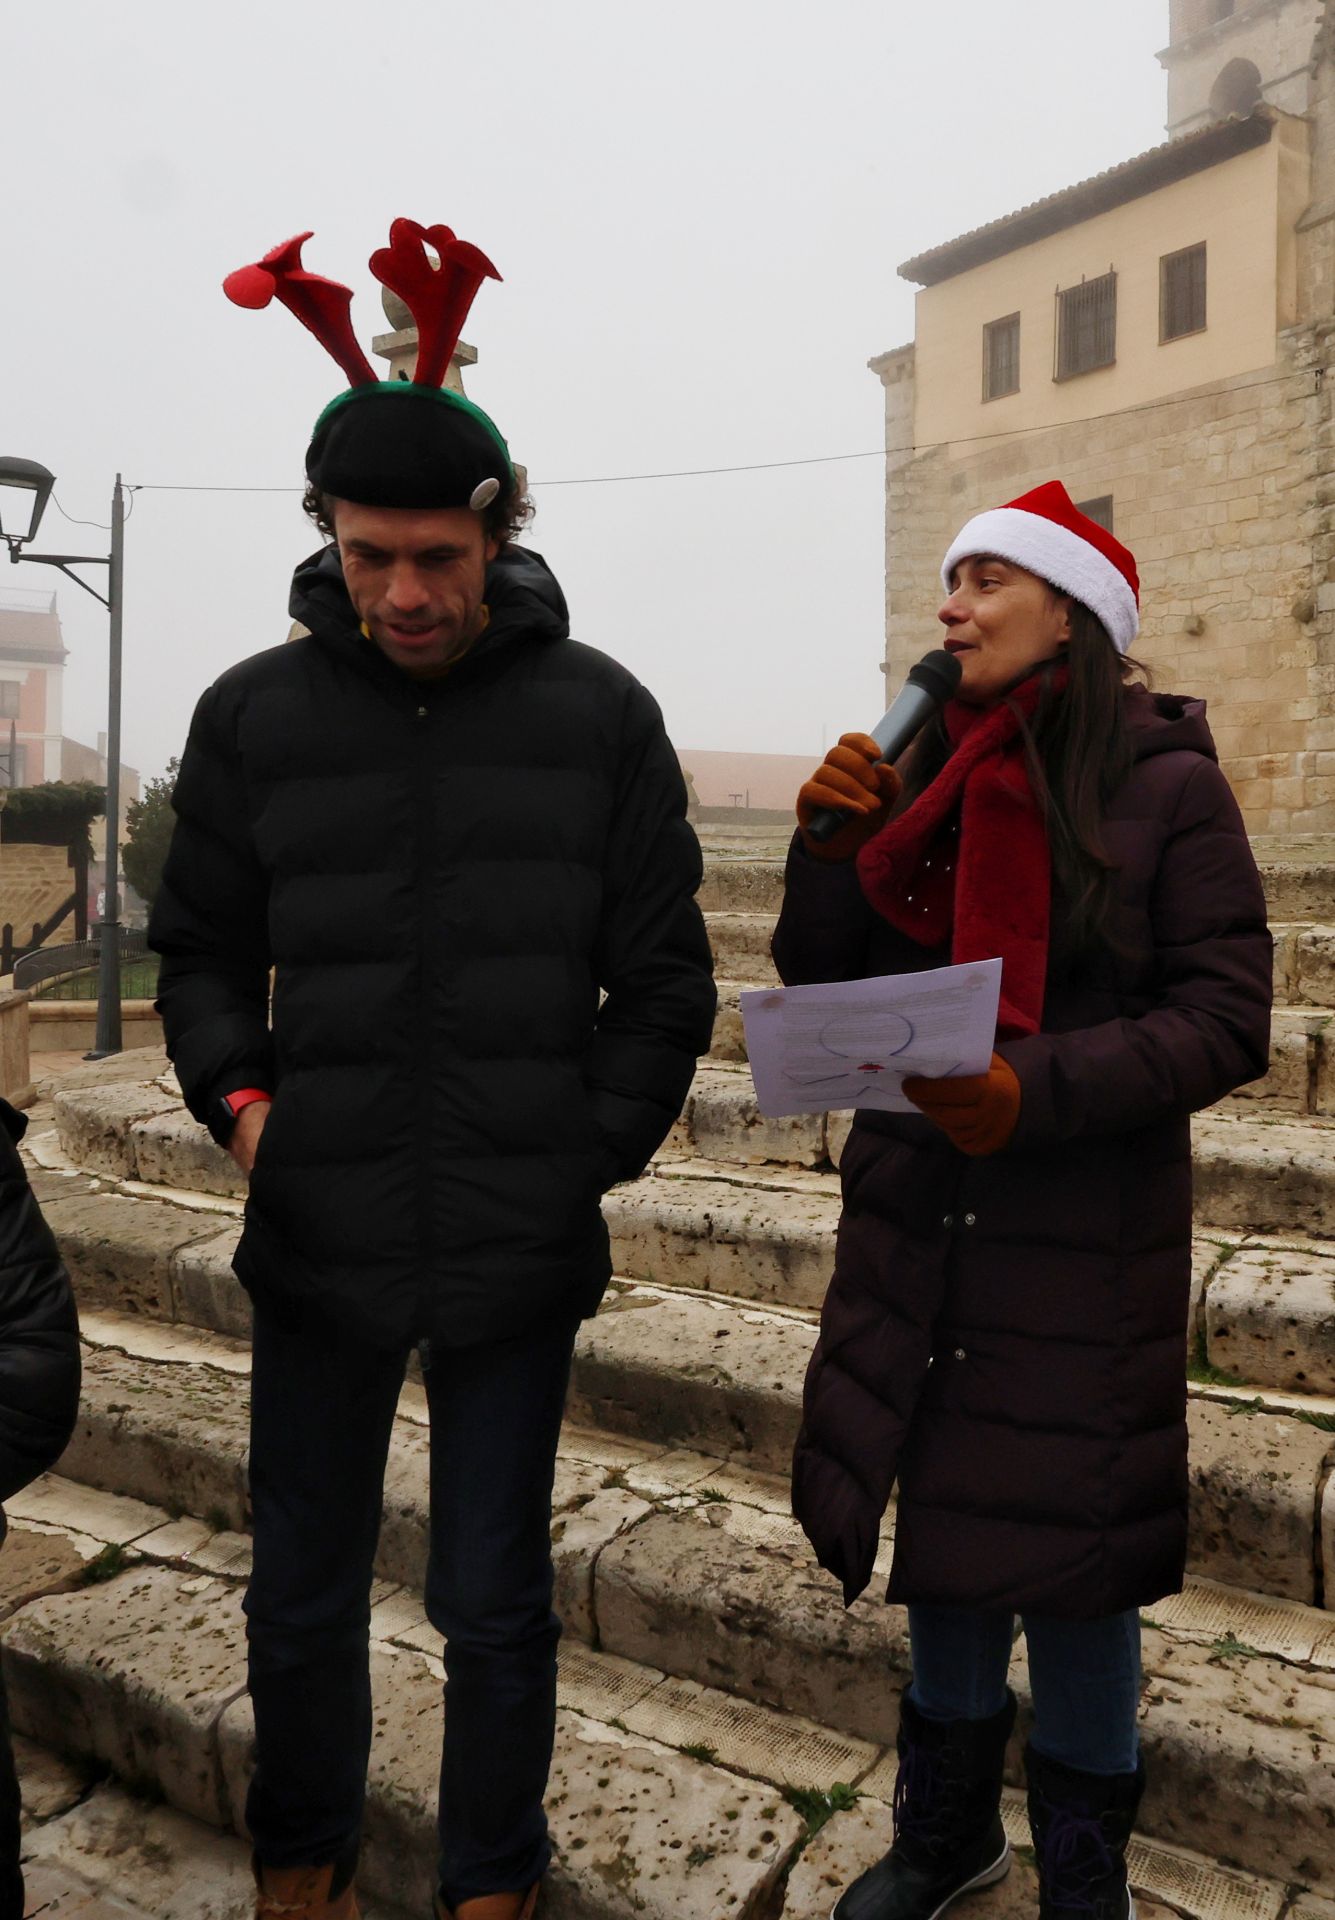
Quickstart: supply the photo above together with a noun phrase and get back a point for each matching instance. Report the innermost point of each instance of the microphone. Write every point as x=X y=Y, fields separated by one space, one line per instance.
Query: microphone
x=930 y=684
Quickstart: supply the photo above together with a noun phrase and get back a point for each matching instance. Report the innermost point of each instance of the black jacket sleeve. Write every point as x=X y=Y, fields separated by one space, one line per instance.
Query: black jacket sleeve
x=39 y=1328
x=210 y=924
x=652 y=958
x=824 y=923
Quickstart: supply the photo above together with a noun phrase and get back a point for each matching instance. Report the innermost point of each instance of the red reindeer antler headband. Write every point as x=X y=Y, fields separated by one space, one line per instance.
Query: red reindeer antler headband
x=438 y=295
x=394 y=443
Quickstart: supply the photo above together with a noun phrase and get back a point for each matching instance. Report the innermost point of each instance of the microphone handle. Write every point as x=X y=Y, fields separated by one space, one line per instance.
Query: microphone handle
x=911 y=711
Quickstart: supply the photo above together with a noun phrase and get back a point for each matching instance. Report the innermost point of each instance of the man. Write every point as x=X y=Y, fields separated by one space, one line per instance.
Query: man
x=446 y=827
x=39 y=1404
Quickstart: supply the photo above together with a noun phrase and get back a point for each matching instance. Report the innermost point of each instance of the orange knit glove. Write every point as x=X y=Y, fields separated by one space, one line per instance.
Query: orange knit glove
x=978 y=1114
x=855 y=779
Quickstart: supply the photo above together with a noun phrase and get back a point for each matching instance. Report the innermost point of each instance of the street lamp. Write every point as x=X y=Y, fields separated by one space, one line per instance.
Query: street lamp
x=19 y=477
x=23 y=477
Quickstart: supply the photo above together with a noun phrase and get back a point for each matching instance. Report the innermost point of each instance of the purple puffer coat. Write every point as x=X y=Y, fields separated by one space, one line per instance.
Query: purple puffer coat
x=1006 y=1336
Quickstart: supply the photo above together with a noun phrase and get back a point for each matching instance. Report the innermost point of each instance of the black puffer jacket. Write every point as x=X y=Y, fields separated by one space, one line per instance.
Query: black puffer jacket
x=39 y=1328
x=443 y=874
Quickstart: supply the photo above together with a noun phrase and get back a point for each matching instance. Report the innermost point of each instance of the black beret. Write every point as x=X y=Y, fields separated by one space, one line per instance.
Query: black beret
x=395 y=444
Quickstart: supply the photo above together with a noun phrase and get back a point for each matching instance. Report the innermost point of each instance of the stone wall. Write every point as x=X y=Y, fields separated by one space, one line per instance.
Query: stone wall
x=1214 y=494
x=1226 y=494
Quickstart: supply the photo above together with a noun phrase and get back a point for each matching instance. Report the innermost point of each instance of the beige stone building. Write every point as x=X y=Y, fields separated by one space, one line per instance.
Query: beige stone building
x=1160 y=337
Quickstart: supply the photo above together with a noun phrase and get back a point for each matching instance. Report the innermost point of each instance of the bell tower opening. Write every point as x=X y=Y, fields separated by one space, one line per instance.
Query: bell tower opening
x=1237 y=90
x=1228 y=57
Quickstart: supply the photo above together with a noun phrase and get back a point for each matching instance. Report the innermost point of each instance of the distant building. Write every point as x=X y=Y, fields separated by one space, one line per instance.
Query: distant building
x=1159 y=337
x=32 y=668
x=764 y=781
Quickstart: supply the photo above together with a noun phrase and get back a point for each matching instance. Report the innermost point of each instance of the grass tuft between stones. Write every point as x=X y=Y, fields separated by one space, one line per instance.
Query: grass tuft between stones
x=105 y=1566
x=1203 y=1373
x=817 y=1805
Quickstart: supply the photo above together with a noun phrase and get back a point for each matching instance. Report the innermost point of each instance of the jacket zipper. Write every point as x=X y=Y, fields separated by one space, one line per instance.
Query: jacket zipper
x=425 y=842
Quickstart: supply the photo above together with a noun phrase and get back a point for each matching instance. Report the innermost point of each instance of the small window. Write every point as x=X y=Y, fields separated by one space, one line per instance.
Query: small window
x=1001 y=357
x=1182 y=293
x=1086 y=326
x=9 y=699
x=1100 y=511
x=1221 y=10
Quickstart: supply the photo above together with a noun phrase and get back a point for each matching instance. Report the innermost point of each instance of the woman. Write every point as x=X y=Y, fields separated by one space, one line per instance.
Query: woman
x=1005 y=1330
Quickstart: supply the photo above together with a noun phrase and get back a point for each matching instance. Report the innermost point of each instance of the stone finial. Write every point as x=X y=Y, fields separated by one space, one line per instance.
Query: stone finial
x=400 y=346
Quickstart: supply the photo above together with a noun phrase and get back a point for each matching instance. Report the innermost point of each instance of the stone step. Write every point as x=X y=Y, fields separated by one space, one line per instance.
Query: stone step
x=1304 y=957
x=145 y=1673
x=1257 y=1171
x=1304 y=964
x=669 y=1393
x=1295 y=890
x=92 y=1850
x=1302 y=889
x=765 y=1232
x=142 y=1670
x=1301 y=1080
x=747 y=886
x=740 y=944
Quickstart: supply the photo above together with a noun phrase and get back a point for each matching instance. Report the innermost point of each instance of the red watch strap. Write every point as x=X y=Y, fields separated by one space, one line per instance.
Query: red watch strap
x=246 y=1097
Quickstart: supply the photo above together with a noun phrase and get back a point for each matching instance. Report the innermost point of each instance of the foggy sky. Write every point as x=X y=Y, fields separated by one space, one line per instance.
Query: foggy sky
x=697 y=209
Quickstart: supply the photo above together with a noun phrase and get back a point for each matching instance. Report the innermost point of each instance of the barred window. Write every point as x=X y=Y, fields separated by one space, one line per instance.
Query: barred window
x=9 y=699
x=1086 y=326
x=1182 y=293
x=1099 y=510
x=1001 y=357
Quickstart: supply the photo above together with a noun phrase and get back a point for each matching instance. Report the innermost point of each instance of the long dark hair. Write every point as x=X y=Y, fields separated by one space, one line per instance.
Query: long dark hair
x=1078 y=751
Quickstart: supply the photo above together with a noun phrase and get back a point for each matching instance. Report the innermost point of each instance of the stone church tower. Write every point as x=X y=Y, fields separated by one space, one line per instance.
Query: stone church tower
x=1232 y=56
x=1161 y=337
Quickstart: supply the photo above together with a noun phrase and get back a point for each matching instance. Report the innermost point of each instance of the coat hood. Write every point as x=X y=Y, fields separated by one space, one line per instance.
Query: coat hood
x=1167 y=723
x=523 y=596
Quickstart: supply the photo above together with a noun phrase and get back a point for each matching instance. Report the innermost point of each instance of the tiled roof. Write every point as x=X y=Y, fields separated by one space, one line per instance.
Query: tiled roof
x=1175 y=160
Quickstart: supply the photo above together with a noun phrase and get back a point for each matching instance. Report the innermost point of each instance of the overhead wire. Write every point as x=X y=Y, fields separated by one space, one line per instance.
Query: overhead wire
x=810 y=460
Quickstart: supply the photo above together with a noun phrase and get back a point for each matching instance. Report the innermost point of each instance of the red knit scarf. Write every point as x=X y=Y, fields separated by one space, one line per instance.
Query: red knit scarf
x=969 y=860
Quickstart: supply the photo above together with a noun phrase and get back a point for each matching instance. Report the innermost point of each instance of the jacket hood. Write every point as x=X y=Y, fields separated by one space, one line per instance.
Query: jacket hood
x=1167 y=723
x=522 y=593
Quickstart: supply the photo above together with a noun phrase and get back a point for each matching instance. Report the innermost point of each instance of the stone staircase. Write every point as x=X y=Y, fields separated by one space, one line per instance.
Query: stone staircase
x=726 y=1731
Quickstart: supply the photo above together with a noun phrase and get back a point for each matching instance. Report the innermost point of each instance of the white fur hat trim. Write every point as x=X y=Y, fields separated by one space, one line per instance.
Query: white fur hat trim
x=1056 y=555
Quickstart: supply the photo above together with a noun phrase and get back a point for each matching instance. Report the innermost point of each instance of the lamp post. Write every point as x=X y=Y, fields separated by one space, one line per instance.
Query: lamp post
x=20 y=478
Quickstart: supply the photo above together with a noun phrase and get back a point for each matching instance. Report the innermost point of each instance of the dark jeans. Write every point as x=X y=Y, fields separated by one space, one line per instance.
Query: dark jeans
x=321 y=1413
x=11 y=1875
x=1084 y=1676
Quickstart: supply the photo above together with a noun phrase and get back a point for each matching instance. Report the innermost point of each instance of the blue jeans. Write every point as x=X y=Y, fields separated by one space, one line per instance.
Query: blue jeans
x=1084 y=1676
x=321 y=1413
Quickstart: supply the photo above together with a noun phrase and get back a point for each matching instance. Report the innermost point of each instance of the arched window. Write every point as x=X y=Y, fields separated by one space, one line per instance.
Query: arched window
x=1237 y=90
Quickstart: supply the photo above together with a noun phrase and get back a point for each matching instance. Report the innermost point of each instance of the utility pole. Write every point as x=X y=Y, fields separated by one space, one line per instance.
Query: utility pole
x=108 y=1038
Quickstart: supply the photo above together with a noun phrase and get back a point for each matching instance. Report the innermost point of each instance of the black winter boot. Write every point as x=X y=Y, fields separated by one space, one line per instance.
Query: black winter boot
x=948 y=1834
x=1081 y=1823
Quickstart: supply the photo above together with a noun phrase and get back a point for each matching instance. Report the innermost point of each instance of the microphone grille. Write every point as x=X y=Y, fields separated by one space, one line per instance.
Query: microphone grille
x=938 y=673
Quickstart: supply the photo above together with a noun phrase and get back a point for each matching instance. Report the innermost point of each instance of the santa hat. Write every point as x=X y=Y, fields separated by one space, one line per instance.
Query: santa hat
x=1046 y=533
x=393 y=443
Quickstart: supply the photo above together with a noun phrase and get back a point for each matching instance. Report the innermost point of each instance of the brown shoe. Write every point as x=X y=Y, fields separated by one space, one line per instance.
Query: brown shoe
x=301 y=1893
x=492 y=1906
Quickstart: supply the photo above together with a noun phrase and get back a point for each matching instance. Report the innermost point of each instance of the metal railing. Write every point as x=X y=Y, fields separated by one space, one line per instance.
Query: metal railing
x=48 y=963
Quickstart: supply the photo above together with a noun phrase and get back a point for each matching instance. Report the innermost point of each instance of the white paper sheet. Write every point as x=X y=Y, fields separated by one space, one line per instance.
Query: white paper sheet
x=852 y=1043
